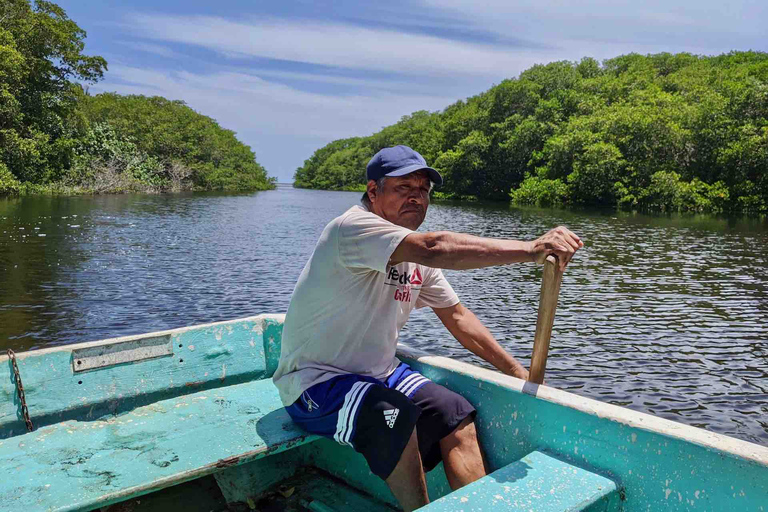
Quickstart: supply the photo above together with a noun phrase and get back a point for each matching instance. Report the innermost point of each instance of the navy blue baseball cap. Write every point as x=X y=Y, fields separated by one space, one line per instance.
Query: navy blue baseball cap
x=399 y=161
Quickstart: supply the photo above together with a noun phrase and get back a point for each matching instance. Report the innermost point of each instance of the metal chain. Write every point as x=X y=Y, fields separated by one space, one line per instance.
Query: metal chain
x=20 y=391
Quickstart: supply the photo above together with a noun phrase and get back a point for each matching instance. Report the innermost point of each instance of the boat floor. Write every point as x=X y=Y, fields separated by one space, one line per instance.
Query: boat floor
x=310 y=490
x=201 y=495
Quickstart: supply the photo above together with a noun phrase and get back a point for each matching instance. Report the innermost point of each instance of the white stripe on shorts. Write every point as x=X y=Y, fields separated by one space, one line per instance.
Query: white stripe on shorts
x=352 y=400
x=341 y=422
x=353 y=412
x=413 y=385
x=405 y=381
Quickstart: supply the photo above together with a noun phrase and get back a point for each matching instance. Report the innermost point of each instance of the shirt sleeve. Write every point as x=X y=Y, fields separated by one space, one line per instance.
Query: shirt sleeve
x=366 y=241
x=436 y=291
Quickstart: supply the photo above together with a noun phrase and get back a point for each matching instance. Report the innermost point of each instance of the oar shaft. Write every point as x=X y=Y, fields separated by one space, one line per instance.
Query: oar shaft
x=550 y=289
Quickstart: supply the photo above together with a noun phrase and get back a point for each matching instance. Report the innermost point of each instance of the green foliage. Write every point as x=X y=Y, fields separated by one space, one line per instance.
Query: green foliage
x=56 y=139
x=461 y=165
x=667 y=192
x=540 y=192
x=664 y=131
x=106 y=163
x=175 y=135
x=318 y=173
x=40 y=58
x=9 y=185
x=595 y=172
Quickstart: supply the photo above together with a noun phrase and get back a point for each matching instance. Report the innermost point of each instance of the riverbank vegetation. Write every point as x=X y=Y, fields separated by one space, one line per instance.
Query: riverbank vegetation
x=57 y=139
x=666 y=132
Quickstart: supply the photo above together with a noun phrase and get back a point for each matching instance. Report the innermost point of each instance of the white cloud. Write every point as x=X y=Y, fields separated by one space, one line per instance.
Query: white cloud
x=154 y=49
x=605 y=26
x=337 y=45
x=336 y=79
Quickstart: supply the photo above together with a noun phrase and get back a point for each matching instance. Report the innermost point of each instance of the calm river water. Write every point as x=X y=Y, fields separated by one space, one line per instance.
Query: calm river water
x=660 y=314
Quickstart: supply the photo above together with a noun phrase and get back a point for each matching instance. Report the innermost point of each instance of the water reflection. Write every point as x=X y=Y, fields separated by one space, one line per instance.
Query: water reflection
x=664 y=314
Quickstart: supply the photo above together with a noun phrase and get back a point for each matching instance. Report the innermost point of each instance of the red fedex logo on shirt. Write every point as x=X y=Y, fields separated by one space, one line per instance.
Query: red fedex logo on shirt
x=404 y=281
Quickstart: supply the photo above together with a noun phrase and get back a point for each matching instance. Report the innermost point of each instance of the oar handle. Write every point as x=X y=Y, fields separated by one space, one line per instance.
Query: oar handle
x=550 y=289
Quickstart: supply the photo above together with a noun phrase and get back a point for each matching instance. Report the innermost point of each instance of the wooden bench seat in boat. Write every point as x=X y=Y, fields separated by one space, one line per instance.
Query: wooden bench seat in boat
x=80 y=465
x=536 y=482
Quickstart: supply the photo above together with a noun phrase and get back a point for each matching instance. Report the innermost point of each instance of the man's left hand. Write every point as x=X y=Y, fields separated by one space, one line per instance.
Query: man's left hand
x=561 y=241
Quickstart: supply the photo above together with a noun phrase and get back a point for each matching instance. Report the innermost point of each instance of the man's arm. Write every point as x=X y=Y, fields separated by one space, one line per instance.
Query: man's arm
x=474 y=336
x=457 y=251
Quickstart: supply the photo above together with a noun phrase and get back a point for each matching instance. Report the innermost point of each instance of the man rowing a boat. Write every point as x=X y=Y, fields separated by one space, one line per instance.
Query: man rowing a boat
x=338 y=375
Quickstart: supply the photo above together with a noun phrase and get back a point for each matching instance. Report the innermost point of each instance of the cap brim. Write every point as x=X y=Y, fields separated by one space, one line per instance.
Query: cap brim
x=434 y=176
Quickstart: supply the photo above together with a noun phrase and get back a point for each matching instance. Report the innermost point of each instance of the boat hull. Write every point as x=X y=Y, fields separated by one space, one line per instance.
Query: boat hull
x=656 y=464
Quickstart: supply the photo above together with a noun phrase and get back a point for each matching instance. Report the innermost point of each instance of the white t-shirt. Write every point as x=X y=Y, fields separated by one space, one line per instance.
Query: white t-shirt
x=349 y=304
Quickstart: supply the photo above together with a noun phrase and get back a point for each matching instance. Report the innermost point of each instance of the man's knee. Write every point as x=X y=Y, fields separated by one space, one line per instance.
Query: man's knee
x=464 y=434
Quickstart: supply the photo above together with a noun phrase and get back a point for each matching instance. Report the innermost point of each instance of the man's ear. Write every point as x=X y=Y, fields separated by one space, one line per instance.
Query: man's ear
x=371 y=190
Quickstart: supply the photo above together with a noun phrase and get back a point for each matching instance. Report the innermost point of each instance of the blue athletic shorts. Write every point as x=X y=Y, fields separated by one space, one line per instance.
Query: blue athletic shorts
x=377 y=417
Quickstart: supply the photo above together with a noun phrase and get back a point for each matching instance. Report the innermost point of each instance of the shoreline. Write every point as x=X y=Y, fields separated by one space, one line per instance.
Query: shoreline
x=442 y=198
x=61 y=190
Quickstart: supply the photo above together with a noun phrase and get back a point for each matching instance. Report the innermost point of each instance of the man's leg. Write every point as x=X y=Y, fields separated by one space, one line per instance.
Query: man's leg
x=376 y=421
x=462 y=460
x=446 y=428
x=407 y=481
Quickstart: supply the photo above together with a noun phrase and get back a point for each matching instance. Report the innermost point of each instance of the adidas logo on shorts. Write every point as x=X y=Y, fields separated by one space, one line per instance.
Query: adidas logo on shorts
x=390 y=415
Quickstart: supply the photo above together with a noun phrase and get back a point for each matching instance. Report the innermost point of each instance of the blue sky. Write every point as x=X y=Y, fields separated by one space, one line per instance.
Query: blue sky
x=289 y=77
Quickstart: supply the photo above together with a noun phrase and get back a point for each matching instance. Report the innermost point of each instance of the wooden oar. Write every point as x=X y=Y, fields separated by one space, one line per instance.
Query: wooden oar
x=550 y=289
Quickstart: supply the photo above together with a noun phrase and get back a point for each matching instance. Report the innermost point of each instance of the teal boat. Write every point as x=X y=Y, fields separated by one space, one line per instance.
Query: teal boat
x=189 y=419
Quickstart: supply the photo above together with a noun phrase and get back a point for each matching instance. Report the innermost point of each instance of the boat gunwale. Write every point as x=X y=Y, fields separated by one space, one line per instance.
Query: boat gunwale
x=133 y=337
x=723 y=443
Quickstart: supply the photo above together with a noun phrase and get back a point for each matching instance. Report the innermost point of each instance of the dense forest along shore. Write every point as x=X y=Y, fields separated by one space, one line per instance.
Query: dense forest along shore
x=664 y=314
x=656 y=132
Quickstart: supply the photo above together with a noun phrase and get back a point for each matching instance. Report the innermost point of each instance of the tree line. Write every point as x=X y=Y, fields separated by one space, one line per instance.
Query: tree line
x=56 y=138
x=664 y=131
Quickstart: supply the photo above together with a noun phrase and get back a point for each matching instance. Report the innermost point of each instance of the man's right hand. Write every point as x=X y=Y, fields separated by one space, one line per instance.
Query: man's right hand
x=561 y=241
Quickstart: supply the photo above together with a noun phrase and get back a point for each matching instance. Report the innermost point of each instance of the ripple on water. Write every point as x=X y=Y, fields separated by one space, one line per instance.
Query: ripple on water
x=665 y=315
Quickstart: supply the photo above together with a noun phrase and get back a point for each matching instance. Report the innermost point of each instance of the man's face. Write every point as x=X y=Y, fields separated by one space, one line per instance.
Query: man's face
x=402 y=200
